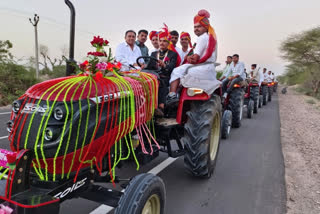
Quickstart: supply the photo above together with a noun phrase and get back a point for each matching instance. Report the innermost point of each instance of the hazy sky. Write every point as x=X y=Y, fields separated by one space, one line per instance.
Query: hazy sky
x=252 y=28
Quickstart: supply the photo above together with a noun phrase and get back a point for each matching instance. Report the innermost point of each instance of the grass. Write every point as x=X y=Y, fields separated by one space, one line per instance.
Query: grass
x=311 y=101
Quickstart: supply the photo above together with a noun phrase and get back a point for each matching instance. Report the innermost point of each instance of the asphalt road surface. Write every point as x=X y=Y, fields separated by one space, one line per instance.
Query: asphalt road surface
x=249 y=175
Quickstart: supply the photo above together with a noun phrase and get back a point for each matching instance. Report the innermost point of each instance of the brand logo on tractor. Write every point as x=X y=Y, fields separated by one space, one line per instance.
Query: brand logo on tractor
x=71 y=189
x=34 y=108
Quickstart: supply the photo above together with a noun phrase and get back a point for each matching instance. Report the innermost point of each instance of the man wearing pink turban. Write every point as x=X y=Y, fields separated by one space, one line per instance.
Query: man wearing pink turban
x=199 y=71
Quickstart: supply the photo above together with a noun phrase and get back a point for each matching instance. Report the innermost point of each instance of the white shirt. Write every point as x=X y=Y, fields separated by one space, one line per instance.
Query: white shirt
x=265 y=76
x=261 y=77
x=127 y=56
x=180 y=52
x=183 y=55
x=201 y=47
x=269 y=78
x=153 y=50
x=237 y=69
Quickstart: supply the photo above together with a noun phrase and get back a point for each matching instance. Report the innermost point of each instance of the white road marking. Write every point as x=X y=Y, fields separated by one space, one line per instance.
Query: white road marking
x=3 y=137
x=104 y=209
x=5 y=112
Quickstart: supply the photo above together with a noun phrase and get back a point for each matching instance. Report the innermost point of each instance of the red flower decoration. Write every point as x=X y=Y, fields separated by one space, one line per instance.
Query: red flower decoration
x=84 y=65
x=97 y=54
x=106 y=42
x=110 y=66
x=11 y=158
x=166 y=59
x=99 y=75
x=97 y=41
x=118 y=65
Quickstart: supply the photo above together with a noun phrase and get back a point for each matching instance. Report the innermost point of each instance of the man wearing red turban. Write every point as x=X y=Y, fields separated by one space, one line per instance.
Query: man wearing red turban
x=185 y=41
x=199 y=71
x=166 y=62
x=153 y=36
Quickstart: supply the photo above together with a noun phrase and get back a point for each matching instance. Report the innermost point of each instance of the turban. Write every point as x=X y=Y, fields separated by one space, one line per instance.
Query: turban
x=202 y=18
x=185 y=34
x=165 y=35
x=153 y=34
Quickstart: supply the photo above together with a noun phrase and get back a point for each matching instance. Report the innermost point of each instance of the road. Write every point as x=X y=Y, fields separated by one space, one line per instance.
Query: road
x=249 y=176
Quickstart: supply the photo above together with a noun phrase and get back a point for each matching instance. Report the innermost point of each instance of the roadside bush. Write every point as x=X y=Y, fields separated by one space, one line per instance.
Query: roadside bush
x=15 y=80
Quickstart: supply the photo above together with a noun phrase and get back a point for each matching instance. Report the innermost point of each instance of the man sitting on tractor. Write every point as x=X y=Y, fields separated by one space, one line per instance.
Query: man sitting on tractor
x=226 y=72
x=269 y=77
x=256 y=75
x=185 y=41
x=265 y=75
x=199 y=71
x=167 y=60
x=153 y=36
x=128 y=52
x=236 y=76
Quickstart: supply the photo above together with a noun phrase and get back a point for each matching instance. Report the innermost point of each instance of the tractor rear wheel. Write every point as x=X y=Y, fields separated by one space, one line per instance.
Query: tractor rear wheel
x=260 y=101
x=202 y=136
x=270 y=93
x=265 y=94
x=236 y=106
x=254 y=95
x=145 y=194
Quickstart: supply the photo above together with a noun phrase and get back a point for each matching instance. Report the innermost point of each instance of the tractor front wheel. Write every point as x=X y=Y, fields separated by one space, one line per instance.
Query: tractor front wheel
x=202 y=136
x=226 y=124
x=145 y=194
x=265 y=95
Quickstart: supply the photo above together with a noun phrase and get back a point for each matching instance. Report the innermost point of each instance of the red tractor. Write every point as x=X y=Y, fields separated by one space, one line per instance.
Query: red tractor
x=264 y=92
x=252 y=98
x=71 y=133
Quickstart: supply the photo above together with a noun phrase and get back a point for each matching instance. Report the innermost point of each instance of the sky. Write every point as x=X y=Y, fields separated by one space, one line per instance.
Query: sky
x=254 y=29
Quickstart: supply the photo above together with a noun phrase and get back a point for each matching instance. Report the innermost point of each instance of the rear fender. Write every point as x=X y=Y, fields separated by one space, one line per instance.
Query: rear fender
x=185 y=100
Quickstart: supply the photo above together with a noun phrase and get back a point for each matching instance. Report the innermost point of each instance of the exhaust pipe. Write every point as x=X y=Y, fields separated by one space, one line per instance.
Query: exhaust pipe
x=70 y=68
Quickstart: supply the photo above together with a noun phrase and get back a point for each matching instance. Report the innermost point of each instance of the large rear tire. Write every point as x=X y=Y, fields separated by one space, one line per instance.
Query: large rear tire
x=254 y=95
x=145 y=194
x=265 y=95
x=226 y=124
x=202 y=136
x=260 y=101
x=236 y=106
x=270 y=93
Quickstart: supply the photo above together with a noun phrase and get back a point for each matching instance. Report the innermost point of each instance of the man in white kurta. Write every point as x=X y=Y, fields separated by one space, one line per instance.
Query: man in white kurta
x=194 y=74
x=128 y=52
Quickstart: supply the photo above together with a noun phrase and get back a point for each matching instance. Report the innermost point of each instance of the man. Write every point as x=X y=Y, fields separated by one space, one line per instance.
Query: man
x=255 y=74
x=269 y=77
x=274 y=77
x=128 y=52
x=142 y=38
x=265 y=75
x=167 y=60
x=200 y=70
x=153 y=36
x=174 y=39
x=237 y=69
x=226 y=71
x=185 y=41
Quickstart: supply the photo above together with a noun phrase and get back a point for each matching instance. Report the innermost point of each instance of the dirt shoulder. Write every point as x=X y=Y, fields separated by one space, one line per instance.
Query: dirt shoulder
x=300 y=137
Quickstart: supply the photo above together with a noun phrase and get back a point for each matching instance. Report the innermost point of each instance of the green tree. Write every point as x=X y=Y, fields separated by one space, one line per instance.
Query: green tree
x=5 y=54
x=303 y=52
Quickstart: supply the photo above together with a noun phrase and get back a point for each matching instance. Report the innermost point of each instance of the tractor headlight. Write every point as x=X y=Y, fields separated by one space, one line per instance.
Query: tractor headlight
x=16 y=106
x=59 y=113
x=48 y=134
x=194 y=91
x=9 y=126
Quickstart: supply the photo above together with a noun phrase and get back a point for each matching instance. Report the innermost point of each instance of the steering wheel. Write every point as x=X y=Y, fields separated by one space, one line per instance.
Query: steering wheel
x=147 y=59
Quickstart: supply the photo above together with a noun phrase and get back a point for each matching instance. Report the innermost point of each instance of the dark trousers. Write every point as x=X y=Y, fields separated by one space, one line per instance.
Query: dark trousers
x=226 y=82
x=163 y=89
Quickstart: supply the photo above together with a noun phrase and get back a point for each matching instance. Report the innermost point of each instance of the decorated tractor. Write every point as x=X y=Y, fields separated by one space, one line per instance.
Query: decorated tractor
x=68 y=134
x=270 y=90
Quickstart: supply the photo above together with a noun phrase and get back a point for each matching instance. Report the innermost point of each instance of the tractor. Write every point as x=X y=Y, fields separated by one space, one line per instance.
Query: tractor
x=69 y=134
